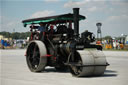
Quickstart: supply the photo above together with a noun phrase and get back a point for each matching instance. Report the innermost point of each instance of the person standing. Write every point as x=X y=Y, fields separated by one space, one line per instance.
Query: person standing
x=42 y=30
x=2 y=43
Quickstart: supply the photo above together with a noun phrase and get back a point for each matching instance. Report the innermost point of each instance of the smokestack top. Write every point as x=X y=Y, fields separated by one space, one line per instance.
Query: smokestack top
x=76 y=8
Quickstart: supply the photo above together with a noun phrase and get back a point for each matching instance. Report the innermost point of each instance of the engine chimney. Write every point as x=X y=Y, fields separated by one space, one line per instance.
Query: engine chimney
x=76 y=21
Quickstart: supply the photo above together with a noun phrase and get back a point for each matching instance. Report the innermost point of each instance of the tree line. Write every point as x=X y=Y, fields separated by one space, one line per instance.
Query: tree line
x=24 y=35
x=16 y=35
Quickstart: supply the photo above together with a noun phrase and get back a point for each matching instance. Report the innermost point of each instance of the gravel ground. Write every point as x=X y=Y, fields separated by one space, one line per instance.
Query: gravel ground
x=14 y=71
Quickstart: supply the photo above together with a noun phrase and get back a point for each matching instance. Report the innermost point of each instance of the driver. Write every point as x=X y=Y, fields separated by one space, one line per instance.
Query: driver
x=42 y=30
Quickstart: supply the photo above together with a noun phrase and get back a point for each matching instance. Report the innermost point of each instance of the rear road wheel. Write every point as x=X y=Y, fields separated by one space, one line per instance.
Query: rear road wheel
x=36 y=59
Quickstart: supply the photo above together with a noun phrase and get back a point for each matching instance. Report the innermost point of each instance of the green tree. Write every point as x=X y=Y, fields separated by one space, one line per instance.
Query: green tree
x=16 y=35
x=107 y=37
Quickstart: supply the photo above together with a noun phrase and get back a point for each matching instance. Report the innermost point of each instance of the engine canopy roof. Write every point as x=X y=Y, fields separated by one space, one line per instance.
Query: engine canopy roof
x=53 y=19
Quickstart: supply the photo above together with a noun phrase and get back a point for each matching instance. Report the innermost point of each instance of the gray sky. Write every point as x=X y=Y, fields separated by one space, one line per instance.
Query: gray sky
x=112 y=14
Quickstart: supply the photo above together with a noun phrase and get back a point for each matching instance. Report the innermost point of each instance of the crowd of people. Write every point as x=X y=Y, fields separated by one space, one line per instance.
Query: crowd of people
x=4 y=44
x=112 y=44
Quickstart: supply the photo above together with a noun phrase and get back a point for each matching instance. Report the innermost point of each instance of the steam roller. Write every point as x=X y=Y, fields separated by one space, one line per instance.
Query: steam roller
x=87 y=62
x=63 y=47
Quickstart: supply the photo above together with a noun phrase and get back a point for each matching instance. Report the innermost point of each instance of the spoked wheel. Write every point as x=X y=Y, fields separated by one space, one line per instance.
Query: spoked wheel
x=35 y=57
x=88 y=63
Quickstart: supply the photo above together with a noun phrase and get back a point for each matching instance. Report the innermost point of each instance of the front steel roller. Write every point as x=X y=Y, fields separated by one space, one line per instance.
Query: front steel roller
x=36 y=56
x=88 y=63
